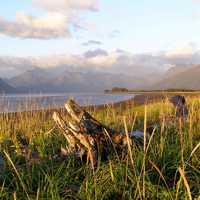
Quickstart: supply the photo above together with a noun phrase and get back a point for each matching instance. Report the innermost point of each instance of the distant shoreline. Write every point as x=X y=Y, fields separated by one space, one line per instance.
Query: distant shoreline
x=155 y=92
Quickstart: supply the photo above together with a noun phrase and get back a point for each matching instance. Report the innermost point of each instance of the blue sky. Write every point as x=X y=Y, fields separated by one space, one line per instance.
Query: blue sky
x=136 y=26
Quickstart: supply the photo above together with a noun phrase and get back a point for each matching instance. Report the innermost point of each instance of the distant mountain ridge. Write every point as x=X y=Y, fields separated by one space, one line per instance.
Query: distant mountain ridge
x=46 y=80
x=52 y=80
x=176 y=69
x=187 y=77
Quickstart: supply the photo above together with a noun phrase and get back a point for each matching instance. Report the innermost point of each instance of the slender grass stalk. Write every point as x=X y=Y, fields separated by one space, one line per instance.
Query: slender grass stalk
x=113 y=145
x=178 y=188
x=163 y=178
x=111 y=171
x=145 y=141
x=131 y=157
x=2 y=189
x=14 y=196
x=17 y=173
x=128 y=143
x=194 y=150
x=191 y=113
x=182 y=173
x=38 y=194
x=134 y=120
x=181 y=143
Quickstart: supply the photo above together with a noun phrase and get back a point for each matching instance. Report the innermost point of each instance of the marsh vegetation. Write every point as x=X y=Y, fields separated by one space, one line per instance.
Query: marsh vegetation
x=167 y=166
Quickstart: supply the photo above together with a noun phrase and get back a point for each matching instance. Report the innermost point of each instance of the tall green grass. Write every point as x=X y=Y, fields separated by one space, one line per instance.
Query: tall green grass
x=166 y=166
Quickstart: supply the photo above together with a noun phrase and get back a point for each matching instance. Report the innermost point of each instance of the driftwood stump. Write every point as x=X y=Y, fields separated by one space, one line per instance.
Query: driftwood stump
x=84 y=134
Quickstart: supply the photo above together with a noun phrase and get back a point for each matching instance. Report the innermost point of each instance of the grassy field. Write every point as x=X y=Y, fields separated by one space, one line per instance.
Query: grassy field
x=166 y=167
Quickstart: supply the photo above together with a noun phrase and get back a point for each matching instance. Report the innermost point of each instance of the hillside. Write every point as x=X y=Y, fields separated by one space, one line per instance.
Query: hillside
x=185 y=78
x=5 y=88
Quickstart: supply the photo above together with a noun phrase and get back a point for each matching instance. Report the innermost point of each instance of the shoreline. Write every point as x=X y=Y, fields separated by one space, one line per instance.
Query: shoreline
x=137 y=100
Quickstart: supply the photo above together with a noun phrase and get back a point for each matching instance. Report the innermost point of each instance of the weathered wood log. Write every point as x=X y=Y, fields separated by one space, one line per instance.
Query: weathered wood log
x=84 y=133
x=77 y=141
x=86 y=122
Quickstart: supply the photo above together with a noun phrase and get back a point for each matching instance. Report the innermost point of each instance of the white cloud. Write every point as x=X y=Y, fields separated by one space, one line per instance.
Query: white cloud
x=186 y=55
x=102 y=61
x=50 y=21
x=53 y=25
x=179 y=53
x=58 y=17
x=182 y=52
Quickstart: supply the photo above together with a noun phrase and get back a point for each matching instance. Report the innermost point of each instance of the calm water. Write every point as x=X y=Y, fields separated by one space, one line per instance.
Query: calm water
x=13 y=103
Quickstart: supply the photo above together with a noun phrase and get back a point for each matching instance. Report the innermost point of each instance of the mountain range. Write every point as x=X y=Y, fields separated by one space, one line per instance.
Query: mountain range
x=47 y=80
x=51 y=80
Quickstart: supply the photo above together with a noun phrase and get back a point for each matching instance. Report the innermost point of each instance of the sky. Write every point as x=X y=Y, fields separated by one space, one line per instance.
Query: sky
x=49 y=27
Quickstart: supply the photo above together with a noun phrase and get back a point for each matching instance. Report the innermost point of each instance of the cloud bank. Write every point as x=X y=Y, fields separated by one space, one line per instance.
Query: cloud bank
x=118 y=61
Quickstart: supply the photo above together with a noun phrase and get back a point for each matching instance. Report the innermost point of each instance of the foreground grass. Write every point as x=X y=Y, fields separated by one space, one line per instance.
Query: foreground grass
x=167 y=167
